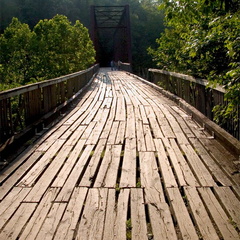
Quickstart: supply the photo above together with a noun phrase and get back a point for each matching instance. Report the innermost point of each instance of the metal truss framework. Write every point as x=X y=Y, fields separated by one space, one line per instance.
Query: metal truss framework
x=111 y=33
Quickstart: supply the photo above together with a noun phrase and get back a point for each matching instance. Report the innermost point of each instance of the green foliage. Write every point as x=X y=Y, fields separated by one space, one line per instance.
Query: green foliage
x=62 y=48
x=146 y=20
x=15 y=47
x=129 y=229
x=202 y=39
x=55 y=47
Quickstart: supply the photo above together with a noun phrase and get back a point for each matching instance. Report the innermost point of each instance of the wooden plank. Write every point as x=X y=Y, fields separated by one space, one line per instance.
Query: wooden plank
x=75 y=175
x=121 y=219
x=95 y=161
x=134 y=99
x=124 y=92
x=100 y=113
x=137 y=114
x=111 y=117
x=219 y=175
x=165 y=166
x=76 y=114
x=161 y=221
x=144 y=89
x=30 y=178
x=113 y=133
x=165 y=126
x=34 y=224
x=110 y=178
x=150 y=178
x=17 y=222
x=140 y=96
x=14 y=178
x=200 y=214
x=143 y=115
x=236 y=190
x=11 y=203
x=89 y=109
x=218 y=215
x=121 y=133
x=149 y=112
x=181 y=214
x=110 y=218
x=96 y=132
x=76 y=135
x=109 y=92
x=149 y=138
x=138 y=92
x=159 y=124
x=92 y=220
x=82 y=106
x=116 y=86
x=45 y=181
x=51 y=222
x=128 y=174
x=178 y=132
x=197 y=130
x=138 y=216
x=120 y=110
x=130 y=126
x=187 y=172
x=230 y=203
x=102 y=91
x=202 y=173
x=141 y=145
x=17 y=162
x=179 y=171
x=113 y=81
x=92 y=113
x=188 y=132
x=69 y=164
x=107 y=174
x=88 y=130
x=107 y=102
x=68 y=224
x=52 y=139
x=223 y=157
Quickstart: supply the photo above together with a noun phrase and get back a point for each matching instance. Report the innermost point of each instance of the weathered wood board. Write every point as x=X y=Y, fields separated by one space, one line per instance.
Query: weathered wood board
x=125 y=163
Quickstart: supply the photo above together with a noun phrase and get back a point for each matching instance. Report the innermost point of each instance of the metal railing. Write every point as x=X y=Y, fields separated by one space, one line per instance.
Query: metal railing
x=197 y=93
x=24 y=107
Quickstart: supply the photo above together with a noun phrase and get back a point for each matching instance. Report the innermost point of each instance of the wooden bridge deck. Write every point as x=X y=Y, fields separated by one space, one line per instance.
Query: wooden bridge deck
x=125 y=163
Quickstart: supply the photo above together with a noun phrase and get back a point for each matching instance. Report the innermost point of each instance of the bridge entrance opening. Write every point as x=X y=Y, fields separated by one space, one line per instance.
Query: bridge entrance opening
x=111 y=34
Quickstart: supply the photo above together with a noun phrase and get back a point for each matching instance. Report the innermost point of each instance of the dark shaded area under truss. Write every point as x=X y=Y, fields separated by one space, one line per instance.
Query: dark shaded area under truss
x=111 y=34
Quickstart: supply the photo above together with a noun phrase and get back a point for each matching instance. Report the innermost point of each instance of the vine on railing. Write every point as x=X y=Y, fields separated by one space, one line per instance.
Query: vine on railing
x=23 y=107
x=197 y=93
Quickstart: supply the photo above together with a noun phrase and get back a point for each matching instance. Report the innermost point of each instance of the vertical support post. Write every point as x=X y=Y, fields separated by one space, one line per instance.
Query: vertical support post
x=92 y=23
x=129 y=39
x=93 y=30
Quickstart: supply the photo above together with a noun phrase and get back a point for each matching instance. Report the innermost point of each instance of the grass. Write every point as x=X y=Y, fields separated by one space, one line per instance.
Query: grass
x=129 y=229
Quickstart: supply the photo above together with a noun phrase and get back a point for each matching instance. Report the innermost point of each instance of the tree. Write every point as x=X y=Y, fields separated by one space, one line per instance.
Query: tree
x=55 y=47
x=202 y=39
x=16 y=53
x=146 y=20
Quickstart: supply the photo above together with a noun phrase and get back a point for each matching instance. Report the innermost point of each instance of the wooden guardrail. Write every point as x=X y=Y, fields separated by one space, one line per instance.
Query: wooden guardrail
x=24 y=107
x=196 y=93
x=126 y=67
